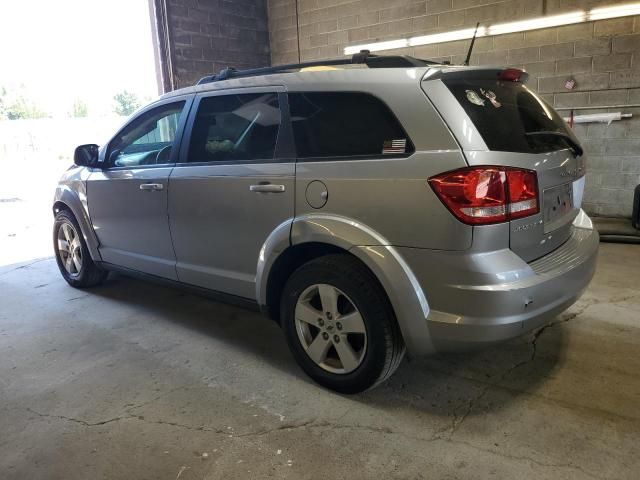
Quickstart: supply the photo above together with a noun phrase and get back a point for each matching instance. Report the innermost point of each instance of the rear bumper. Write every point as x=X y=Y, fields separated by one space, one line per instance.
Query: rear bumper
x=476 y=299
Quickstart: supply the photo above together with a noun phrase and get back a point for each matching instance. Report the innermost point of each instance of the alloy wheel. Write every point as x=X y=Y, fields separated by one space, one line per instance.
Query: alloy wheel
x=330 y=328
x=70 y=249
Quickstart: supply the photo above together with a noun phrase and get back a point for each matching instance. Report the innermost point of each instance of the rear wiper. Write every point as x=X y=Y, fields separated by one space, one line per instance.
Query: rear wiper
x=575 y=147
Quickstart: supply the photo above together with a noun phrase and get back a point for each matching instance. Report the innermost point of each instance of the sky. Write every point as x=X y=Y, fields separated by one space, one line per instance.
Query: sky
x=65 y=50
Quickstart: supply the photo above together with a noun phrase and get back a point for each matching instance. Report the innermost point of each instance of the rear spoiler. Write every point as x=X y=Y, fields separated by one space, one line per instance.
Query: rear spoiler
x=480 y=73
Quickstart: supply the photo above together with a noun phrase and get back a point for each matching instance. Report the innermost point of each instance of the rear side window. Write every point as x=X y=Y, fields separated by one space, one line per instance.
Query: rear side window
x=235 y=128
x=506 y=112
x=345 y=124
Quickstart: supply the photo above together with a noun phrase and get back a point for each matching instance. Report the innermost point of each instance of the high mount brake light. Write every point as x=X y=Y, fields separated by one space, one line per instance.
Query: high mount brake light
x=510 y=75
x=486 y=195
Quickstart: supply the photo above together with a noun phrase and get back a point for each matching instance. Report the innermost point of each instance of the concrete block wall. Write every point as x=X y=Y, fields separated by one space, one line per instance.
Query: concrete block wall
x=206 y=36
x=603 y=57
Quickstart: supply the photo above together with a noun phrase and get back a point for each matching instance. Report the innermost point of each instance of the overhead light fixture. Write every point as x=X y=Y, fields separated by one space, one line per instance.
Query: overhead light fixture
x=537 y=23
x=374 y=47
x=578 y=16
x=613 y=12
x=446 y=36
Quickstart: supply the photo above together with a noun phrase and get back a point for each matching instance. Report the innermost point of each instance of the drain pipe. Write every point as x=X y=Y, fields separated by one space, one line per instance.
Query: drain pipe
x=614 y=238
x=596 y=118
x=615 y=230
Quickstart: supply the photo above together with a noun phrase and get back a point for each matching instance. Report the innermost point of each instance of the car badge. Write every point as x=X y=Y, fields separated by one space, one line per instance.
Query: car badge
x=474 y=98
x=492 y=97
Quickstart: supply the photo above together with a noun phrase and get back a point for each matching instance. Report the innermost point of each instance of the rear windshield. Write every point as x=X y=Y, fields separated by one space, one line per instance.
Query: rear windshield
x=504 y=112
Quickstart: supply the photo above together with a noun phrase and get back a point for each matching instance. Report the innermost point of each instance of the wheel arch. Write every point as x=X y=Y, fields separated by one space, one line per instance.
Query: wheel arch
x=304 y=238
x=67 y=199
x=284 y=265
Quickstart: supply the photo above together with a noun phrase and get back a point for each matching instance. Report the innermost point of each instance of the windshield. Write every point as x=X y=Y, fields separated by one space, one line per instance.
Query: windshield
x=505 y=112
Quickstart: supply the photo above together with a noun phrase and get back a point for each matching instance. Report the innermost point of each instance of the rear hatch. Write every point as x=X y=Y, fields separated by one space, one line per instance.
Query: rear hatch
x=499 y=121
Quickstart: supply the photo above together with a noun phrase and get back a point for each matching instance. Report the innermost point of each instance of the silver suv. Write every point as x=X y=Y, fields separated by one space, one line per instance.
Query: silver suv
x=366 y=205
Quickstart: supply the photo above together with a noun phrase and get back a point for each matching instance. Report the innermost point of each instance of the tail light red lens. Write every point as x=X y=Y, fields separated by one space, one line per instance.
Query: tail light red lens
x=523 y=193
x=485 y=195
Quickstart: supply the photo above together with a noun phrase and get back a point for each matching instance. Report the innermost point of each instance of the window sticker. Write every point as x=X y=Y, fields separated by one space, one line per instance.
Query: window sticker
x=491 y=96
x=474 y=98
x=394 y=146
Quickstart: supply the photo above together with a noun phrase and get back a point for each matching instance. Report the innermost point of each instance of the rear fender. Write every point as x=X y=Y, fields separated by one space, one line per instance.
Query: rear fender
x=277 y=242
x=405 y=294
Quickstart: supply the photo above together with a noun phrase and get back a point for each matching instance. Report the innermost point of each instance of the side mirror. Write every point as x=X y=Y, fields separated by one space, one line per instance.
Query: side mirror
x=86 y=155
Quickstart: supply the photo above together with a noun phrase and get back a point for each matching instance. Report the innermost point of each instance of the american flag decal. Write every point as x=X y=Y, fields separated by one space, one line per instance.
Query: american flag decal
x=394 y=146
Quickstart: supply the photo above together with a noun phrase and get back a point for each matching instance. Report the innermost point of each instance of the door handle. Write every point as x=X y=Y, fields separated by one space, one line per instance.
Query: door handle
x=267 y=188
x=151 y=186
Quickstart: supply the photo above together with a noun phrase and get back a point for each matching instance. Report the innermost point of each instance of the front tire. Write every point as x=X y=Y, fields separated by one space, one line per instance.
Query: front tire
x=339 y=324
x=72 y=255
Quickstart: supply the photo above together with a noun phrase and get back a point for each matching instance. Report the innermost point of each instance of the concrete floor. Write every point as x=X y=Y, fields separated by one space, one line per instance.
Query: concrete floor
x=131 y=380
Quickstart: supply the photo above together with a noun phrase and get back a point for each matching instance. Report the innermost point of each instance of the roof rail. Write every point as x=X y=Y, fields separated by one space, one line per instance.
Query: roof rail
x=363 y=57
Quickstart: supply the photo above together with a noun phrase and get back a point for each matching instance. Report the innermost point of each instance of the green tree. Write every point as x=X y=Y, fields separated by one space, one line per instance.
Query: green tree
x=79 y=109
x=126 y=103
x=18 y=106
x=3 y=106
x=23 y=108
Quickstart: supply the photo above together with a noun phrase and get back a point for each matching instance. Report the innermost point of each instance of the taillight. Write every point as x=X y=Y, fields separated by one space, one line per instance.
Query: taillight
x=522 y=186
x=484 y=195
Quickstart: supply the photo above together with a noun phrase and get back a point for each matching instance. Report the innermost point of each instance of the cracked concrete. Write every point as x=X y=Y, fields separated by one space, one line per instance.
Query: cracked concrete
x=535 y=335
x=131 y=380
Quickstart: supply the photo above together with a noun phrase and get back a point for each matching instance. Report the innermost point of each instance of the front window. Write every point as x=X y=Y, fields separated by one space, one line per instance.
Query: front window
x=147 y=140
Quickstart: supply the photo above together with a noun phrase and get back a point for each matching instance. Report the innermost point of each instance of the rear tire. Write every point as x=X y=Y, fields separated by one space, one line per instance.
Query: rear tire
x=72 y=255
x=339 y=324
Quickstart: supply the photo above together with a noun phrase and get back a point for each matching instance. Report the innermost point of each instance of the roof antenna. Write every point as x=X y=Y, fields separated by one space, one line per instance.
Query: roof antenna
x=473 y=40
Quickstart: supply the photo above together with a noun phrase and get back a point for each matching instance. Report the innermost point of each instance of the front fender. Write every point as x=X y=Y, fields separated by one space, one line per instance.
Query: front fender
x=402 y=287
x=71 y=192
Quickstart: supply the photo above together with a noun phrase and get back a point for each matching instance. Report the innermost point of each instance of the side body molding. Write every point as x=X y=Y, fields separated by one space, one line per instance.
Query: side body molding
x=71 y=191
x=404 y=291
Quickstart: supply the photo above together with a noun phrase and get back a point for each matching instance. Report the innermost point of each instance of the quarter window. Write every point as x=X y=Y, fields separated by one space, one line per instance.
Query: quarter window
x=147 y=140
x=231 y=128
x=345 y=124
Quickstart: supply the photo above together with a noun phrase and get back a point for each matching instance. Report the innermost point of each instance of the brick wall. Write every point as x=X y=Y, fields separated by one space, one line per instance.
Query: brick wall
x=603 y=57
x=205 y=36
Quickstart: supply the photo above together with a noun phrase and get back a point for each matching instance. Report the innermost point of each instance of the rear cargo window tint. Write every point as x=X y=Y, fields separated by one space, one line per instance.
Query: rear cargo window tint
x=235 y=128
x=345 y=124
x=504 y=112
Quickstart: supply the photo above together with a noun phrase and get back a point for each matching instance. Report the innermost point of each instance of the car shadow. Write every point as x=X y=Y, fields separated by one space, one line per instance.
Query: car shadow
x=244 y=329
x=445 y=385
